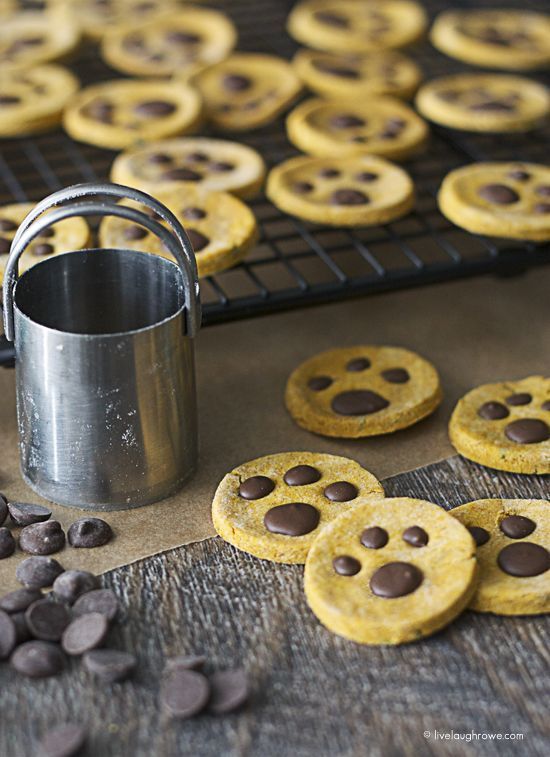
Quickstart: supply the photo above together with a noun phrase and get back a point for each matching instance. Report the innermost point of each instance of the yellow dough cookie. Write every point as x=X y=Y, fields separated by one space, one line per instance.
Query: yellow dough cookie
x=65 y=236
x=181 y=43
x=513 y=538
x=348 y=26
x=211 y=164
x=355 y=75
x=484 y=102
x=379 y=125
x=356 y=190
x=27 y=39
x=248 y=90
x=274 y=506
x=221 y=228
x=32 y=99
x=505 y=425
x=362 y=391
x=119 y=113
x=509 y=200
x=506 y=38
x=390 y=571
x=98 y=17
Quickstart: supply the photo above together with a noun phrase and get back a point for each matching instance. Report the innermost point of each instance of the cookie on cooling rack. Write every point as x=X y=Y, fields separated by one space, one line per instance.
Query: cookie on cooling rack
x=99 y=17
x=27 y=39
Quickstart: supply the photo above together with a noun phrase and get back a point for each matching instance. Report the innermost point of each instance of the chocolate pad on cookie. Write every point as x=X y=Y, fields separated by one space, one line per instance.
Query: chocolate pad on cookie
x=274 y=506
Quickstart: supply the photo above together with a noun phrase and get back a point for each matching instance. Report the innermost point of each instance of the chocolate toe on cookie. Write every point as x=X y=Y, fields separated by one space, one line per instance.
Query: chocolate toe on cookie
x=390 y=571
x=274 y=507
x=513 y=539
x=490 y=426
x=362 y=391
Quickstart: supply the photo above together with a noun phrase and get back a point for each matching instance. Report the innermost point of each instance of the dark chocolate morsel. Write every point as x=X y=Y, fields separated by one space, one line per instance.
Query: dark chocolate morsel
x=181 y=174
x=64 y=740
x=198 y=240
x=221 y=166
x=236 y=82
x=301 y=475
x=329 y=173
x=543 y=190
x=47 y=233
x=345 y=72
x=318 y=383
x=84 y=633
x=135 y=232
x=155 y=108
x=71 y=584
x=415 y=536
x=395 y=579
x=100 y=110
x=524 y=559
x=159 y=158
x=493 y=411
x=345 y=565
x=545 y=405
x=38 y=659
x=89 y=532
x=256 y=487
x=229 y=690
x=349 y=197
x=184 y=693
x=346 y=121
x=109 y=665
x=302 y=187
x=9 y=100
x=518 y=174
x=527 y=431
x=332 y=19
x=42 y=538
x=341 y=491
x=542 y=207
x=102 y=601
x=517 y=526
x=193 y=214
x=374 y=537
x=42 y=249
x=480 y=535
x=396 y=375
x=5 y=246
x=46 y=620
x=7 y=543
x=181 y=37
x=3 y=508
x=499 y=194
x=198 y=157
x=7 y=225
x=19 y=600
x=358 y=402
x=293 y=519
x=366 y=176
x=38 y=572
x=358 y=364
x=522 y=398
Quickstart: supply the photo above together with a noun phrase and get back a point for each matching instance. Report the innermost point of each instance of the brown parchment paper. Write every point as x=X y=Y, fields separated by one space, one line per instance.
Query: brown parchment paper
x=474 y=331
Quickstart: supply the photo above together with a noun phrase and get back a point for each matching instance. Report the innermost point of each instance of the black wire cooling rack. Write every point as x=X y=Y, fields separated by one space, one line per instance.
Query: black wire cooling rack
x=297 y=263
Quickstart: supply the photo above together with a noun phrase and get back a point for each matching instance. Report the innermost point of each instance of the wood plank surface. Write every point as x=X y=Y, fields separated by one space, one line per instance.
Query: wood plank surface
x=314 y=694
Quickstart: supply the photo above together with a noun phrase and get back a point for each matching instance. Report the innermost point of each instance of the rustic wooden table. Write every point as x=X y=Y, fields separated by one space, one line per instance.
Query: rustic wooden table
x=314 y=694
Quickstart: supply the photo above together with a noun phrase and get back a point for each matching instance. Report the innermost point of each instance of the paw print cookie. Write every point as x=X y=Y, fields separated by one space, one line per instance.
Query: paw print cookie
x=211 y=164
x=484 y=102
x=346 y=26
x=380 y=125
x=510 y=200
x=509 y=39
x=353 y=75
x=27 y=39
x=505 y=425
x=65 y=236
x=275 y=506
x=390 y=571
x=355 y=190
x=362 y=391
x=99 y=17
x=513 y=538
x=221 y=228
x=247 y=90
x=181 y=43
x=116 y=114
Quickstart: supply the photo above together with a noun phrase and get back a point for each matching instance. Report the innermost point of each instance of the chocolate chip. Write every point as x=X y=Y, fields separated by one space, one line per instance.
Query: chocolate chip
x=518 y=174
x=85 y=633
x=102 y=601
x=7 y=225
x=492 y=106
x=198 y=240
x=301 y=475
x=366 y=176
x=193 y=214
x=38 y=659
x=329 y=173
x=449 y=95
x=236 y=82
x=527 y=431
x=3 y=508
x=221 y=166
x=358 y=364
x=109 y=665
x=346 y=121
x=545 y=405
x=318 y=383
x=184 y=693
x=40 y=250
x=349 y=197
x=499 y=194
x=302 y=187
x=415 y=536
x=522 y=398
x=24 y=513
x=345 y=72
x=341 y=491
x=345 y=565
x=543 y=190
x=542 y=207
x=395 y=579
x=256 y=487
x=22 y=633
x=5 y=246
x=480 y=535
x=19 y=600
x=155 y=108
x=186 y=662
x=47 y=233
x=8 y=635
x=71 y=584
x=9 y=99
x=46 y=620
x=396 y=375
x=38 y=572
x=159 y=158
x=100 y=110
x=517 y=526
x=181 y=174
x=493 y=411
x=89 y=533
x=332 y=19
x=7 y=543
x=524 y=559
x=358 y=402
x=374 y=537
x=229 y=690
x=181 y=37
x=135 y=232
x=65 y=740
x=293 y=519
x=42 y=538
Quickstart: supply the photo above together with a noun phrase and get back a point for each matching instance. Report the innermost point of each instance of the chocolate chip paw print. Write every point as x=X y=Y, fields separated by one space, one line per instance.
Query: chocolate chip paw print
x=273 y=507
x=505 y=425
x=390 y=571
x=362 y=391
x=512 y=538
x=28 y=39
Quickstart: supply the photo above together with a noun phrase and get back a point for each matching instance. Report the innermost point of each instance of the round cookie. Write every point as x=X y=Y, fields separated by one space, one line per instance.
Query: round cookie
x=65 y=236
x=221 y=228
x=505 y=425
x=116 y=114
x=507 y=38
x=354 y=75
x=390 y=571
x=99 y=17
x=246 y=91
x=32 y=99
x=510 y=200
x=211 y=164
x=27 y=39
x=355 y=190
x=353 y=392
x=484 y=102
x=346 y=26
x=379 y=125
x=181 y=43
x=273 y=507
x=513 y=538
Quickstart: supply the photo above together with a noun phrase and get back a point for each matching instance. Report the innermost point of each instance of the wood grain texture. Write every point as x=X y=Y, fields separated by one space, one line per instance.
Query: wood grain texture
x=314 y=693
